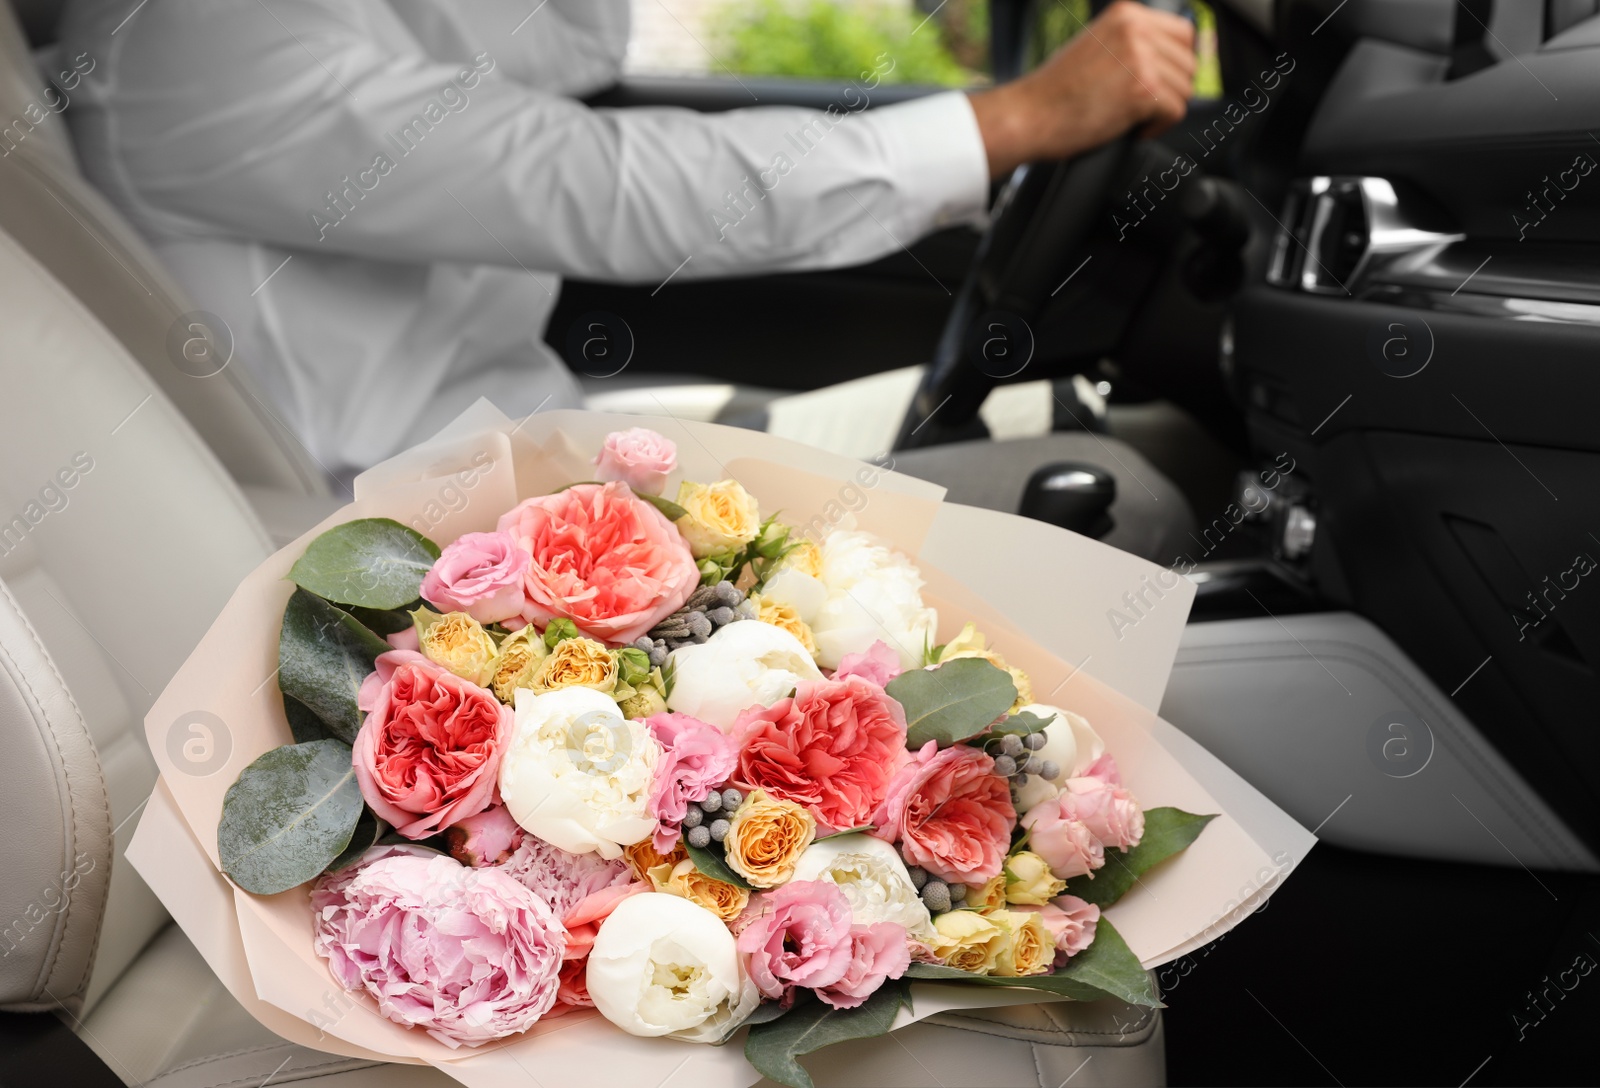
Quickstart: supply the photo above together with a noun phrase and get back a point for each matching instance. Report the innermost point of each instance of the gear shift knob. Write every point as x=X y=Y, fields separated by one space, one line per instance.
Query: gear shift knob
x=1073 y=495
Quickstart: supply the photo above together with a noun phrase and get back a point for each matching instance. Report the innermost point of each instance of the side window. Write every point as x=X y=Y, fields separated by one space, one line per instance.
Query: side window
x=940 y=42
x=1055 y=22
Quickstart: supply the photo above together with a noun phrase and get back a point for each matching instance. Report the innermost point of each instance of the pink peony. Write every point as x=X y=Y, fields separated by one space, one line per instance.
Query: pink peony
x=879 y=663
x=1098 y=798
x=559 y=878
x=951 y=814
x=480 y=574
x=800 y=938
x=1071 y=923
x=582 y=922
x=638 y=457
x=696 y=758
x=877 y=952
x=485 y=839
x=603 y=558
x=1064 y=841
x=833 y=747
x=468 y=955
x=428 y=753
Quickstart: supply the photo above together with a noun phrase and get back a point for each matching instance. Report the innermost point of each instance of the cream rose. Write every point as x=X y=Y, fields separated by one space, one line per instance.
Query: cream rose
x=577 y=663
x=520 y=657
x=661 y=965
x=717 y=517
x=1029 y=948
x=458 y=643
x=1070 y=742
x=744 y=664
x=991 y=893
x=766 y=837
x=873 y=878
x=968 y=941
x=1029 y=881
x=726 y=901
x=787 y=618
x=577 y=774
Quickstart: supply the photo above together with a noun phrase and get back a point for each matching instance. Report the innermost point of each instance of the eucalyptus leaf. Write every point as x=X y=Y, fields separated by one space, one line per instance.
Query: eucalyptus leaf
x=669 y=509
x=765 y=1013
x=957 y=700
x=385 y=621
x=323 y=656
x=1020 y=724
x=288 y=816
x=370 y=562
x=368 y=830
x=1107 y=968
x=304 y=725
x=774 y=1047
x=1167 y=831
x=711 y=863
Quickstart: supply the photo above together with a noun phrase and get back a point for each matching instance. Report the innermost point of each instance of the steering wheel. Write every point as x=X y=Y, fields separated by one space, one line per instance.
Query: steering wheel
x=1041 y=220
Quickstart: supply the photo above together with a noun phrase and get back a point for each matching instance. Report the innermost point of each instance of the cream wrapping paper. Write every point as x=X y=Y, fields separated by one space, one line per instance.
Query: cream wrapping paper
x=1041 y=594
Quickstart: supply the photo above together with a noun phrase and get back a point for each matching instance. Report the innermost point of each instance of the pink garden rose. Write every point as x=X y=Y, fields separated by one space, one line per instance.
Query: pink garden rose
x=582 y=922
x=951 y=814
x=878 y=663
x=485 y=839
x=468 y=955
x=800 y=937
x=1109 y=811
x=638 y=457
x=833 y=747
x=480 y=574
x=1064 y=841
x=603 y=558
x=1071 y=923
x=877 y=952
x=428 y=754
x=696 y=758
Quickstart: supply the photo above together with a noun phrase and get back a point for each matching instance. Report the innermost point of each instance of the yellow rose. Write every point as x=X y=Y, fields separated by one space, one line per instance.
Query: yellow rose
x=520 y=657
x=726 y=901
x=642 y=857
x=968 y=941
x=1029 y=880
x=717 y=517
x=457 y=642
x=804 y=557
x=766 y=837
x=784 y=616
x=992 y=893
x=577 y=663
x=969 y=643
x=1028 y=948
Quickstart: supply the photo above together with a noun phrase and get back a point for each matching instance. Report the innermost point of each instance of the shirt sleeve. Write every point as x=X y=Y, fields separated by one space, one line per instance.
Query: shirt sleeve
x=327 y=126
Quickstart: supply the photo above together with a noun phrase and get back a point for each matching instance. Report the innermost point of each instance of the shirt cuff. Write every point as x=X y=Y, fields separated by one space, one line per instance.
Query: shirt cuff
x=937 y=158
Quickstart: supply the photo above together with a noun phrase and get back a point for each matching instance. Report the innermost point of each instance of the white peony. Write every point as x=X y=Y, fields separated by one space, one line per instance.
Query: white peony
x=1070 y=742
x=662 y=965
x=742 y=665
x=873 y=878
x=576 y=773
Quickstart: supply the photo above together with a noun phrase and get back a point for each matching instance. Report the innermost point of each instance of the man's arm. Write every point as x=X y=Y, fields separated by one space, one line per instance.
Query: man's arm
x=571 y=47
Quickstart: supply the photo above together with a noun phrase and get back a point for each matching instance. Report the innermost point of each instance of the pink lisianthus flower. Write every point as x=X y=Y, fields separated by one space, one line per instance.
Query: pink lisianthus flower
x=833 y=747
x=481 y=574
x=428 y=754
x=879 y=663
x=1071 y=923
x=696 y=758
x=950 y=813
x=1098 y=798
x=603 y=558
x=1064 y=841
x=468 y=955
x=485 y=839
x=582 y=921
x=638 y=457
x=877 y=952
x=800 y=938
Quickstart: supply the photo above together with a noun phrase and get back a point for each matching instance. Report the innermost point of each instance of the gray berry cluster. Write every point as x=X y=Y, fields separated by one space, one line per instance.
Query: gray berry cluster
x=704 y=822
x=937 y=895
x=1015 y=758
x=708 y=608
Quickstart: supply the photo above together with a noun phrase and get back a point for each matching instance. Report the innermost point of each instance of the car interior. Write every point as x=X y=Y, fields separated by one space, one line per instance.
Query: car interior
x=1319 y=349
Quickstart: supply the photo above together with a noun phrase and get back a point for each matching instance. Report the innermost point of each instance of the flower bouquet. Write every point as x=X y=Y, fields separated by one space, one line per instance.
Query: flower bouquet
x=556 y=747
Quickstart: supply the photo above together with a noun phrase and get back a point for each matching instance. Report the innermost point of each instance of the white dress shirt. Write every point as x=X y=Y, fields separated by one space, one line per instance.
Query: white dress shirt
x=378 y=196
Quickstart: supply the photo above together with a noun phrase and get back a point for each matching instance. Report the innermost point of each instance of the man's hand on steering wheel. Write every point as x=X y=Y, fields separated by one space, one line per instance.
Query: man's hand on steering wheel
x=1131 y=66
